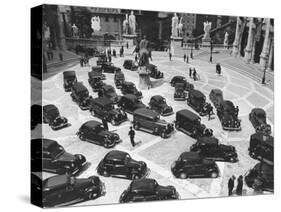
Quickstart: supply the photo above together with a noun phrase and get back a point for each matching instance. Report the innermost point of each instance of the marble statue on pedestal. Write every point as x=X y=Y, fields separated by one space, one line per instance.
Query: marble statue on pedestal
x=175 y=22
x=132 y=23
x=180 y=26
x=95 y=23
x=207 y=28
x=74 y=30
x=225 y=42
x=46 y=32
x=126 y=25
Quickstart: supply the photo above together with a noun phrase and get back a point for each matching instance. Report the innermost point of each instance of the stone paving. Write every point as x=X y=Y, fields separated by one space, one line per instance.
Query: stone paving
x=156 y=152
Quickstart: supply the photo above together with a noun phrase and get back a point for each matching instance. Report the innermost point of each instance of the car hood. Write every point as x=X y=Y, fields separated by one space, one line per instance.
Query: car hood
x=227 y=148
x=166 y=190
x=67 y=157
x=85 y=182
x=134 y=163
x=105 y=132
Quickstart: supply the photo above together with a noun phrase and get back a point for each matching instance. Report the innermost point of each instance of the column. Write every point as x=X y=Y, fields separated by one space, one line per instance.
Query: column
x=270 y=59
x=266 y=44
x=248 y=50
x=160 y=30
x=61 y=38
x=235 y=44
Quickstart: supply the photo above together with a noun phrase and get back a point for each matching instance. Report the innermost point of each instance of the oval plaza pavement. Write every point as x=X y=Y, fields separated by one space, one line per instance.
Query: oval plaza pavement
x=159 y=153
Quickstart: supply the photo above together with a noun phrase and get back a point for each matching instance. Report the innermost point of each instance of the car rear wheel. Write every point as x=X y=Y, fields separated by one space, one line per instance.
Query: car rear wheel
x=105 y=174
x=135 y=177
x=163 y=135
x=214 y=175
x=82 y=137
x=183 y=175
x=93 y=113
x=92 y=195
x=113 y=122
x=136 y=126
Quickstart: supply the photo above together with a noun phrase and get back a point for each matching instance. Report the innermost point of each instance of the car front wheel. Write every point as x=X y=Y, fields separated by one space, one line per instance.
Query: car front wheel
x=92 y=195
x=163 y=135
x=136 y=126
x=183 y=175
x=82 y=138
x=105 y=174
x=135 y=177
x=214 y=175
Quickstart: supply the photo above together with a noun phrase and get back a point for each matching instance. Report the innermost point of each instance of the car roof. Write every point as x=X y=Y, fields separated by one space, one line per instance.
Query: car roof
x=258 y=111
x=207 y=140
x=94 y=74
x=55 y=181
x=260 y=137
x=179 y=77
x=130 y=96
x=190 y=156
x=180 y=85
x=116 y=155
x=43 y=143
x=187 y=113
x=102 y=101
x=108 y=87
x=265 y=168
x=146 y=113
x=91 y=124
x=227 y=104
x=128 y=83
x=67 y=74
x=50 y=107
x=196 y=93
x=143 y=185
x=216 y=91
x=157 y=97
x=95 y=68
x=78 y=87
x=128 y=60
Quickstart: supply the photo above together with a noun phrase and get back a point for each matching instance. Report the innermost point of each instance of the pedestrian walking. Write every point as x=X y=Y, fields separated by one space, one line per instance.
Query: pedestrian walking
x=150 y=55
x=239 y=187
x=170 y=56
x=231 y=185
x=114 y=53
x=136 y=58
x=210 y=111
x=127 y=45
x=109 y=58
x=187 y=59
x=218 y=68
x=132 y=136
x=190 y=72
x=121 y=51
x=194 y=74
x=184 y=57
x=105 y=124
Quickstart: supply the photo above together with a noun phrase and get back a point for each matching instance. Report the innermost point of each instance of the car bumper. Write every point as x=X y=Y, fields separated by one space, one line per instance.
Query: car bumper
x=231 y=128
x=179 y=98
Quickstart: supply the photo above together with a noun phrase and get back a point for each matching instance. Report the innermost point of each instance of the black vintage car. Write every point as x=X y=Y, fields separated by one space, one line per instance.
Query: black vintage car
x=63 y=190
x=109 y=68
x=180 y=79
x=47 y=155
x=197 y=100
x=95 y=81
x=190 y=124
x=262 y=148
x=130 y=65
x=80 y=95
x=180 y=94
x=210 y=148
x=119 y=79
x=94 y=132
x=130 y=88
x=216 y=97
x=103 y=108
x=159 y=104
x=97 y=70
x=148 y=190
x=130 y=103
x=228 y=115
x=192 y=165
x=120 y=164
x=258 y=119
x=36 y=115
x=154 y=72
x=149 y=121
x=69 y=79
x=51 y=116
x=261 y=177
x=109 y=92
x=101 y=60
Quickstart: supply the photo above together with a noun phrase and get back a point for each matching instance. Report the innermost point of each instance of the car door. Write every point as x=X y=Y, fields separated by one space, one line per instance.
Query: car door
x=121 y=169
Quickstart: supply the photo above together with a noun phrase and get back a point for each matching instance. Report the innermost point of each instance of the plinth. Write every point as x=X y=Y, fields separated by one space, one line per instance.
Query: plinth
x=130 y=39
x=144 y=79
x=176 y=45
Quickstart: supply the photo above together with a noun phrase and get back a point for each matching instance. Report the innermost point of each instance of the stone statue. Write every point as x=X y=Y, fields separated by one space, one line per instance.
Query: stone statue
x=180 y=26
x=46 y=32
x=132 y=23
x=126 y=25
x=175 y=22
x=74 y=30
x=207 y=28
x=95 y=23
x=225 y=42
x=144 y=59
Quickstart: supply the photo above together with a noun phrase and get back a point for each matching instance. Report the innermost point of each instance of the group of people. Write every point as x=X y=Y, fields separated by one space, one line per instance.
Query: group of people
x=84 y=61
x=239 y=187
x=193 y=74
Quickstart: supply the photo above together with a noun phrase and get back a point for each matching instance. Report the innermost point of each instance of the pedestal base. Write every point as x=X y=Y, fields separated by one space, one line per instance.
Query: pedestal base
x=130 y=39
x=176 y=43
x=144 y=79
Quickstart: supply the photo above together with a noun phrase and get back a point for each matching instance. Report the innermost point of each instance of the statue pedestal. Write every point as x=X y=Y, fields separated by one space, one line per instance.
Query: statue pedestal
x=206 y=41
x=130 y=39
x=144 y=79
x=176 y=47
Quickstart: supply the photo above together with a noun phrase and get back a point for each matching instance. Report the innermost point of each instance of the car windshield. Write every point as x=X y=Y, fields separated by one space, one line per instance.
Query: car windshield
x=84 y=93
x=56 y=151
x=261 y=115
x=98 y=128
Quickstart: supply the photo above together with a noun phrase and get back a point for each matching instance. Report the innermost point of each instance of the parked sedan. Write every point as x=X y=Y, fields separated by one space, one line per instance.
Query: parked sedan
x=120 y=164
x=159 y=104
x=258 y=119
x=51 y=116
x=63 y=190
x=148 y=190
